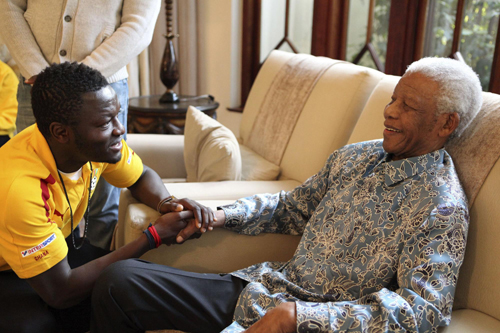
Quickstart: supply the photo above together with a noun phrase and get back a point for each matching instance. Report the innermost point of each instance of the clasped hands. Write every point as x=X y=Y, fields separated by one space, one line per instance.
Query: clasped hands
x=183 y=219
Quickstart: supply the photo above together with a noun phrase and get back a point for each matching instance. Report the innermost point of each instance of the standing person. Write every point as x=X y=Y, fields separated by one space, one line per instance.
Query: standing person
x=8 y=102
x=105 y=35
x=49 y=174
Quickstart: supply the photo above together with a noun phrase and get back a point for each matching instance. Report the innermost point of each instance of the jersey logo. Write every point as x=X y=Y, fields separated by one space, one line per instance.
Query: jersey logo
x=39 y=246
x=93 y=182
x=46 y=194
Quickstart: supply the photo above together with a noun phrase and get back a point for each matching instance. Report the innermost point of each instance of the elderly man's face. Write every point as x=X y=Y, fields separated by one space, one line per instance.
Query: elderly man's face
x=411 y=125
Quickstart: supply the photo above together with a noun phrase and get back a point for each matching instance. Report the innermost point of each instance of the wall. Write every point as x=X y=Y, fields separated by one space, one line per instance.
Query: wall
x=220 y=64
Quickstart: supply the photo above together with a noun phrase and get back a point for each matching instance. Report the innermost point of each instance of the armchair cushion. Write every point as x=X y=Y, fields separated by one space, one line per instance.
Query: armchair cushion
x=211 y=151
x=256 y=167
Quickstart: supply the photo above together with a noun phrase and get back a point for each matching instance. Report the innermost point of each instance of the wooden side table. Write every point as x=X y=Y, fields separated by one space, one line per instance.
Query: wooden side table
x=147 y=115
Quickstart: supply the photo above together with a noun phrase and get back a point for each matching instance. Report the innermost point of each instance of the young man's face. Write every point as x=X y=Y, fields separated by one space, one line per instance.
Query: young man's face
x=98 y=134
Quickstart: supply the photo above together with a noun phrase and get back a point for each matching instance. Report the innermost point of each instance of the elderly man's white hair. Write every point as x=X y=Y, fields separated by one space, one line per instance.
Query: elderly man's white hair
x=459 y=88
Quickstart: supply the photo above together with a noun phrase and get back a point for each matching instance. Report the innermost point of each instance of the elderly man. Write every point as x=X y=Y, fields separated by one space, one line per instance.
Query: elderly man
x=383 y=227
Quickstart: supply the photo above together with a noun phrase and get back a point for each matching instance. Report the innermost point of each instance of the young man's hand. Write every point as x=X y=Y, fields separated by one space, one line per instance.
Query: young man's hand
x=169 y=225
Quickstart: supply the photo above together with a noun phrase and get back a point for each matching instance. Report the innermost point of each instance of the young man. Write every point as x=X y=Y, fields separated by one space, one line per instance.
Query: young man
x=383 y=226
x=105 y=35
x=49 y=174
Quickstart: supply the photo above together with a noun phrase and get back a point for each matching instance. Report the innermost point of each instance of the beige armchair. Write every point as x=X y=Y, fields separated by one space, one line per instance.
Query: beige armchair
x=344 y=104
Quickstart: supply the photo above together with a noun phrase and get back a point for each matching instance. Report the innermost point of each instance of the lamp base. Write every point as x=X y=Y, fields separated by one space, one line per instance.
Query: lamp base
x=169 y=97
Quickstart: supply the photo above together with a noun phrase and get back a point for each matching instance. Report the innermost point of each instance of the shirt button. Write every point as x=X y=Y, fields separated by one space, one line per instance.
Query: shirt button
x=67 y=18
x=62 y=53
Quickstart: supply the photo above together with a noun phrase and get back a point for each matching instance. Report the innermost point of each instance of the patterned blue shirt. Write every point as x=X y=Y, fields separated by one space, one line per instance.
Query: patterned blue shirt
x=382 y=243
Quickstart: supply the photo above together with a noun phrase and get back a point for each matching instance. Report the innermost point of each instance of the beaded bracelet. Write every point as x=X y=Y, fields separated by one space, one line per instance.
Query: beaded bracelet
x=157 y=238
x=153 y=237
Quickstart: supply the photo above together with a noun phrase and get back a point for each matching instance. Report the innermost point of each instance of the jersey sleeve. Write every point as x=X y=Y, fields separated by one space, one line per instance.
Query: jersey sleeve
x=126 y=171
x=30 y=241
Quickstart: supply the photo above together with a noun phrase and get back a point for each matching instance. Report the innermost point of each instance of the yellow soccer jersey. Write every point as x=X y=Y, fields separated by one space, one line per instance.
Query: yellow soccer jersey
x=8 y=100
x=34 y=213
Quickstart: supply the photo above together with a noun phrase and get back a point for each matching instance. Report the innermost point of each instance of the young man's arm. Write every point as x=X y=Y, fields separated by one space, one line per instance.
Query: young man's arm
x=150 y=190
x=62 y=287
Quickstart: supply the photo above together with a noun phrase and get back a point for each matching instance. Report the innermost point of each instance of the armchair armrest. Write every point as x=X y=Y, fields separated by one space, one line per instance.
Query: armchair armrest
x=162 y=153
x=133 y=217
x=218 y=251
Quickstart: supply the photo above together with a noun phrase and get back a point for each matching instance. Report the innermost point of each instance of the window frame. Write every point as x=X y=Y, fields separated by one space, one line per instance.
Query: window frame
x=407 y=27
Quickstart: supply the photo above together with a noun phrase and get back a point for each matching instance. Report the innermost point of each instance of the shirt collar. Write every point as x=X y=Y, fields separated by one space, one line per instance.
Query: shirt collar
x=397 y=171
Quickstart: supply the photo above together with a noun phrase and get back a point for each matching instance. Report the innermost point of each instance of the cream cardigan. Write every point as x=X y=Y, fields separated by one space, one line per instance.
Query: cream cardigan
x=103 y=34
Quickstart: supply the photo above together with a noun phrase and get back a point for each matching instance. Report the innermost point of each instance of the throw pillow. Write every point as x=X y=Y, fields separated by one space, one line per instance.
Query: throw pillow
x=211 y=151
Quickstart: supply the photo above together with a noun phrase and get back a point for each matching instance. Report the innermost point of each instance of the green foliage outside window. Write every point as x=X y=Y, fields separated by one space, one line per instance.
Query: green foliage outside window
x=380 y=32
x=477 y=41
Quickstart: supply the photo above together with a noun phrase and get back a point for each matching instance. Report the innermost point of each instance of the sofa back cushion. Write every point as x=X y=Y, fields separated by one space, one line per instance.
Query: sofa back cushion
x=474 y=153
x=370 y=125
x=326 y=120
x=261 y=85
x=256 y=167
x=283 y=104
x=478 y=287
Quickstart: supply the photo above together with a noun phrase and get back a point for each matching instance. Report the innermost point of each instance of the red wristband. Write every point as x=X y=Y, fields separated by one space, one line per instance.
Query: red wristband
x=157 y=238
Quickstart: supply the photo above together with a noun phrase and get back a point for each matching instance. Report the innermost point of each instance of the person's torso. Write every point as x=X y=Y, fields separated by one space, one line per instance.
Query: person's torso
x=69 y=30
x=353 y=240
x=33 y=197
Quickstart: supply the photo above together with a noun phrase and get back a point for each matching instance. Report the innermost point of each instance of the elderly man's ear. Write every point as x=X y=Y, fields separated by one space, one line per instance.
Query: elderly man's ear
x=451 y=123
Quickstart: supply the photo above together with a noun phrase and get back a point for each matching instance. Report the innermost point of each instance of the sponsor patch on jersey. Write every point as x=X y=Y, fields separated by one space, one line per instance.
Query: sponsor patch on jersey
x=42 y=255
x=40 y=246
x=93 y=182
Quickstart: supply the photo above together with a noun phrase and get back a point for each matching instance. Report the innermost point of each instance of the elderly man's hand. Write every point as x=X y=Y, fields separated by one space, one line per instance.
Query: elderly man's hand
x=281 y=319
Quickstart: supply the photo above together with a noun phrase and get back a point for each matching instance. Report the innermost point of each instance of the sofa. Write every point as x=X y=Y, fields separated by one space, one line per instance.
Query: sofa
x=340 y=103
